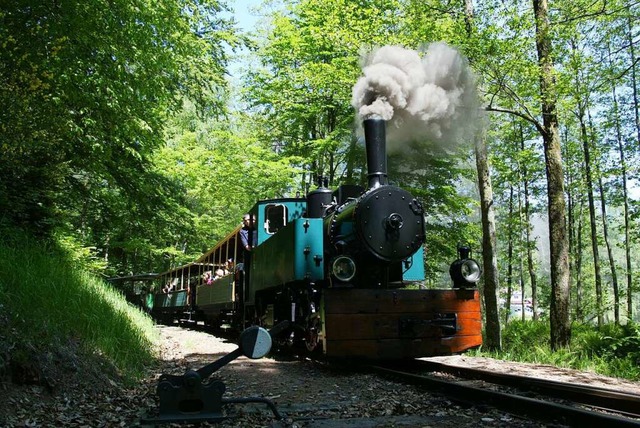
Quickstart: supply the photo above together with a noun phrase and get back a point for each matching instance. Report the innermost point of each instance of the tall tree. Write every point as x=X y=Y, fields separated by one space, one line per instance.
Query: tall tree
x=308 y=63
x=510 y=237
x=527 y=229
x=489 y=253
x=574 y=224
x=509 y=83
x=560 y=320
x=581 y=102
x=607 y=241
x=625 y=199
x=636 y=109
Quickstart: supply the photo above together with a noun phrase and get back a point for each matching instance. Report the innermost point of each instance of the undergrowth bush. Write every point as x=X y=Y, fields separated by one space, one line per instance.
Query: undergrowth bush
x=48 y=300
x=612 y=350
x=615 y=347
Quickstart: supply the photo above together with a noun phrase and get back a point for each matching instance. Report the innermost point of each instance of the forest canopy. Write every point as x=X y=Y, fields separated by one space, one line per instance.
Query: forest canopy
x=124 y=137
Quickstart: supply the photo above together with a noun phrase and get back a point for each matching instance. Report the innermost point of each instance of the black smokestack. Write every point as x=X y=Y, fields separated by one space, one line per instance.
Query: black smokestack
x=375 y=145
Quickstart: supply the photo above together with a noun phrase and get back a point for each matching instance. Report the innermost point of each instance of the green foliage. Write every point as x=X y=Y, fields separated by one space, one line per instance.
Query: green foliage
x=525 y=335
x=611 y=342
x=84 y=258
x=309 y=62
x=86 y=87
x=50 y=300
x=222 y=170
x=612 y=350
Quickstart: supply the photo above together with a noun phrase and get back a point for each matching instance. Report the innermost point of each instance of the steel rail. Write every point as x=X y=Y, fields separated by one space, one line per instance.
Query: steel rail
x=533 y=408
x=623 y=402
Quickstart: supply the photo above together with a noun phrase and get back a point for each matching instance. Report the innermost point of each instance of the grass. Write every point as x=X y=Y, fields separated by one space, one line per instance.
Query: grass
x=47 y=300
x=611 y=350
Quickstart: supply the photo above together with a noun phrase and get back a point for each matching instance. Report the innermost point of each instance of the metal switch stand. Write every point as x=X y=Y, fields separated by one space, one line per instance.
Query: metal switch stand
x=187 y=398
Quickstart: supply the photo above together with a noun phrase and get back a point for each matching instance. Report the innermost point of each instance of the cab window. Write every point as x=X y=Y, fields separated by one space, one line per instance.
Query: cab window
x=276 y=218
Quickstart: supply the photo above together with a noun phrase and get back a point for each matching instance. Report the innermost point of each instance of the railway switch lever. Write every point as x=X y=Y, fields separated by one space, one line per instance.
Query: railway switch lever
x=189 y=399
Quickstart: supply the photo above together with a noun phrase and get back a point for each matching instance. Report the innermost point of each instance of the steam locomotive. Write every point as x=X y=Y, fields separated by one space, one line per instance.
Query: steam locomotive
x=342 y=267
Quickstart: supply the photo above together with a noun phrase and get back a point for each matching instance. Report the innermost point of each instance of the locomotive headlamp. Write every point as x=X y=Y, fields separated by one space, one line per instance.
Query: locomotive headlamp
x=465 y=272
x=343 y=268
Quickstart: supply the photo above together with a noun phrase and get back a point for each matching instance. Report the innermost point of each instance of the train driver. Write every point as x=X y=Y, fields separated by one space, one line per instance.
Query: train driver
x=247 y=233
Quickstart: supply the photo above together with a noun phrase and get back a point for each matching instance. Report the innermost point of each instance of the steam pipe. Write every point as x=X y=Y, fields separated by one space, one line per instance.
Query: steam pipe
x=375 y=146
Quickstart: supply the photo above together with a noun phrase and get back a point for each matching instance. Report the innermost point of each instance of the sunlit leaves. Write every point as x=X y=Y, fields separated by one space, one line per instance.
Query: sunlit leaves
x=223 y=169
x=310 y=61
x=86 y=87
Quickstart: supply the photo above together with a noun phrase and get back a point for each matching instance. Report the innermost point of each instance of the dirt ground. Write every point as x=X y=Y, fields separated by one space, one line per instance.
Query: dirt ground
x=306 y=393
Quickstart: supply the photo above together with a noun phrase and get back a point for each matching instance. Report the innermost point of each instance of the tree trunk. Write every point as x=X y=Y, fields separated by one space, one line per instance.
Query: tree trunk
x=571 y=222
x=582 y=101
x=527 y=226
x=559 y=316
x=592 y=218
x=632 y=53
x=509 y=259
x=627 y=223
x=521 y=258
x=605 y=235
x=612 y=264
x=579 y=288
x=331 y=126
x=623 y=165
x=351 y=157
x=489 y=256
x=522 y=290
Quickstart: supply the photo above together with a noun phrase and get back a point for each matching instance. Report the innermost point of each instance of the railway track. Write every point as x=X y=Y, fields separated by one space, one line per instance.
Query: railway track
x=579 y=405
x=534 y=398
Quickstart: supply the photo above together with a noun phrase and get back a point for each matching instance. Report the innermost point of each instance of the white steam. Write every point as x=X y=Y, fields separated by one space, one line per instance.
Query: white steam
x=432 y=98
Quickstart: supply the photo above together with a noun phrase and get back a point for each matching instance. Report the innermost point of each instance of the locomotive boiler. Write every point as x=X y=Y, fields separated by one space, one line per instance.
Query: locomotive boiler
x=378 y=229
x=344 y=267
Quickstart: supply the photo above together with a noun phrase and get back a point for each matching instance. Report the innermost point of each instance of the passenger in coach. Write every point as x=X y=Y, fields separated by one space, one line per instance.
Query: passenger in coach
x=206 y=278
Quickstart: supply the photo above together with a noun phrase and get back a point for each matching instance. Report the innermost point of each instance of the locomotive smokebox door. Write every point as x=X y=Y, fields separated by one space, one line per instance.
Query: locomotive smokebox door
x=390 y=223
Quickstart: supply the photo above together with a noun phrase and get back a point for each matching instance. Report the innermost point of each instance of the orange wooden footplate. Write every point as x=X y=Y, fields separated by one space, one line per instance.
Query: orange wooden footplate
x=397 y=324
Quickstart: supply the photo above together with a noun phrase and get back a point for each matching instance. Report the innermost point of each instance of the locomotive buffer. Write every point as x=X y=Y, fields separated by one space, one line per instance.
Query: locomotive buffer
x=187 y=398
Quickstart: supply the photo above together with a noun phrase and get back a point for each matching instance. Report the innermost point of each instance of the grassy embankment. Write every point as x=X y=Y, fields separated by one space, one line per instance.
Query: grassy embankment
x=50 y=307
x=48 y=302
x=611 y=350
